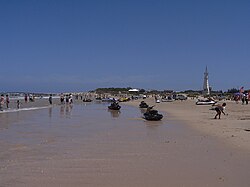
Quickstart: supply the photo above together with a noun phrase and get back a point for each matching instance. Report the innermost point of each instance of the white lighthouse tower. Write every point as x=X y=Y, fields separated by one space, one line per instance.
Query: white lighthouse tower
x=206 y=89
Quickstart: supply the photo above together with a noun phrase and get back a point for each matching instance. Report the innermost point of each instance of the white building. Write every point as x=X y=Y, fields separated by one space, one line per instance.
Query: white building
x=206 y=89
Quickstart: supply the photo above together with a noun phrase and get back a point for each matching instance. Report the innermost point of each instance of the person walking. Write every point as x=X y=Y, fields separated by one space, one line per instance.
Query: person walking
x=62 y=98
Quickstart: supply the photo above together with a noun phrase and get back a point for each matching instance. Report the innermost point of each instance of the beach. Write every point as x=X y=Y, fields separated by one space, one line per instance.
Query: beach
x=85 y=144
x=233 y=128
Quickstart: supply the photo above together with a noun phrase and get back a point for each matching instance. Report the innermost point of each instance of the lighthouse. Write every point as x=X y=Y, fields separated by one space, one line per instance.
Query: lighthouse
x=206 y=89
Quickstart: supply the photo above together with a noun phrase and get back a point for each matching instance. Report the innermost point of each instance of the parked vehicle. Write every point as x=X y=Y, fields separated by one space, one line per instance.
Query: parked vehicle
x=205 y=102
x=143 y=105
x=114 y=106
x=152 y=115
x=167 y=99
x=180 y=97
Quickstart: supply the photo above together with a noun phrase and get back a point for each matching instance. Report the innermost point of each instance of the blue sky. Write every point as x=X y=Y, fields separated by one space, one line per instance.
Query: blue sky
x=80 y=45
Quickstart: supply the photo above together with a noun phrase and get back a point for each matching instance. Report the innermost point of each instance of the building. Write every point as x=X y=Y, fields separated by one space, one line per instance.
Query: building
x=206 y=88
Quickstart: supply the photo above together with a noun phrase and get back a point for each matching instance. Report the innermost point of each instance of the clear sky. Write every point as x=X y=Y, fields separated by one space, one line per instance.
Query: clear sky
x=79 y=45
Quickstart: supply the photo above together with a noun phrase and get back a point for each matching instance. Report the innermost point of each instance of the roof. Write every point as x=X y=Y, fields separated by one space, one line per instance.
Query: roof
x=133 y=90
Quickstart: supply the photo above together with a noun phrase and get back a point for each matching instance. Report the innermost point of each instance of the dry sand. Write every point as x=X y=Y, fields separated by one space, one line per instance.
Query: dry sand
x=233 y=128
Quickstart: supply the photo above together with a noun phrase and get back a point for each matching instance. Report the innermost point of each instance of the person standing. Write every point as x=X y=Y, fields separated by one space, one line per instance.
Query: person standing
x=26 y=98
x=247 y=98
x=50 y=99
x=67 y=99
x=1 y=102
x=7 y=101
x=18 y=104
x=62 y=98
x=243 y=97
x=70 y=99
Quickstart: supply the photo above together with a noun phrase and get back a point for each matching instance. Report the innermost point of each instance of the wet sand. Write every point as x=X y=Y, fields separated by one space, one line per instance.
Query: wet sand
x=88 y=145
x=232 y=129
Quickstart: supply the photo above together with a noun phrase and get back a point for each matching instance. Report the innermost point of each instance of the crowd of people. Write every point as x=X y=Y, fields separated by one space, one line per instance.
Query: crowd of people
x=5 y=100
x=68 y=98
x=243 y=97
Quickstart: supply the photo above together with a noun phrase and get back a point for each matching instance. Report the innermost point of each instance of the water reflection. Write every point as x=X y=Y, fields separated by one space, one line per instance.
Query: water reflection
x=4 y=121
x=68 y=109
x=143 y=110
x=114 y=113
x=65 y=110
x=62 y=109
x=8 y=118
x=50 y=112
x=153 y=123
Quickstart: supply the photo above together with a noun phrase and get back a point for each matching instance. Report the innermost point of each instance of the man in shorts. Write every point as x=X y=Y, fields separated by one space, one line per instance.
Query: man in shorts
x=220 y=109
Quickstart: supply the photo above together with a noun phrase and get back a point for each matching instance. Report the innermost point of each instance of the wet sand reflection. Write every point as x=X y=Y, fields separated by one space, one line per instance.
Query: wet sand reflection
x=114 y=113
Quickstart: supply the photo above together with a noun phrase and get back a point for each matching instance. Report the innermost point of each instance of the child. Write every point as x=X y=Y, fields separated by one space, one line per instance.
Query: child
x=220 y=109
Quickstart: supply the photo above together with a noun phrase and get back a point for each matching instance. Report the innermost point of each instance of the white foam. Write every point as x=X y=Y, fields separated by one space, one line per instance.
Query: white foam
x=23 y=109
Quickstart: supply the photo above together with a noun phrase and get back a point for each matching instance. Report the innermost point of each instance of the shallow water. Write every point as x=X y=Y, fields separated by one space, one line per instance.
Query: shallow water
x=42 y=134
x=89 y=145
x=70 y=121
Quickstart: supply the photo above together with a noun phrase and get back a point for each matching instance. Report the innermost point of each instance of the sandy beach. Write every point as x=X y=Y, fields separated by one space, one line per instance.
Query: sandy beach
x=85 y=144
x=233 y=129
x=74 y=73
